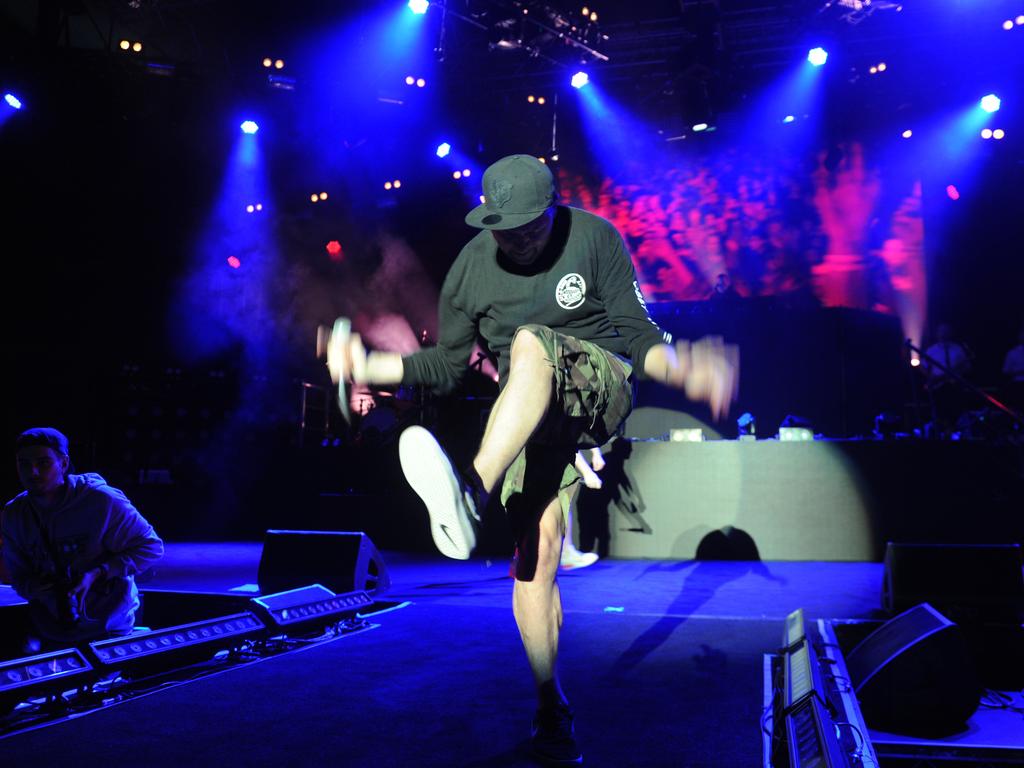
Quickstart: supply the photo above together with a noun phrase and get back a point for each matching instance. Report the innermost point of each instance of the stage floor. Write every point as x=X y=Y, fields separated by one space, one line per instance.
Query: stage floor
x=740 y=590
x=661 y=660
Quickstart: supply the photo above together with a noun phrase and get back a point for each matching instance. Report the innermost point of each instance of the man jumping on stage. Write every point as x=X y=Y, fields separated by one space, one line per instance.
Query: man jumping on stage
x=553 y=293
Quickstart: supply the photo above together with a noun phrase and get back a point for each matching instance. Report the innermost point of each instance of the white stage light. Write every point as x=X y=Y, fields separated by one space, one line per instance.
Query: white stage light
x=817 y=56
x=991 y=103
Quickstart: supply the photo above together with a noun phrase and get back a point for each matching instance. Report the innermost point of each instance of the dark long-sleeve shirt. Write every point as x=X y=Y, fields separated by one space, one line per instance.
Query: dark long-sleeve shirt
x=582 y=285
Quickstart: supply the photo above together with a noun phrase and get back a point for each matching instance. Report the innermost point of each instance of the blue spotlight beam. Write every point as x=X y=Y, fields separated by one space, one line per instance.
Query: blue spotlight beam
x=618 y=137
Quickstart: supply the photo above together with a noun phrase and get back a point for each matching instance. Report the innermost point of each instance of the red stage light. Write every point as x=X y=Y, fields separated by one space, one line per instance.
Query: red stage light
x=334 y=251
x=953 y=192
x=233 y=262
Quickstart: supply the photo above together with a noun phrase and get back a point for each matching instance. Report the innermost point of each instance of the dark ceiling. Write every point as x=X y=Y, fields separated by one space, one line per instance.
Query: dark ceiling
x=654 y=51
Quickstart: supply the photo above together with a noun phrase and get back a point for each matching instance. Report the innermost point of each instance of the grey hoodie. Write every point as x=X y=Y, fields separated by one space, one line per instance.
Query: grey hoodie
x=93 y=525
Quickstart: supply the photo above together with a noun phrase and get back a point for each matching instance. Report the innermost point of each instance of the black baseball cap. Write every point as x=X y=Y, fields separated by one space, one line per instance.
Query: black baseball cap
x=517 y=189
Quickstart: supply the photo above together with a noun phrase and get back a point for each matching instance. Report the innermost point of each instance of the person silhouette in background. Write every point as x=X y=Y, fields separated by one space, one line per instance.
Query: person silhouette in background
x=1013 y=371
x=571 y=556
x=944 y=388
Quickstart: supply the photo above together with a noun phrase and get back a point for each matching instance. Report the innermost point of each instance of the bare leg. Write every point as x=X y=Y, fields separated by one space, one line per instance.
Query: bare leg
x=537 y=606
x=518 y=411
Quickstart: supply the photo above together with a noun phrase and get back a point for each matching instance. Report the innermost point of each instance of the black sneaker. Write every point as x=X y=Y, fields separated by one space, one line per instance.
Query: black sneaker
x=553 y=741
x=449 y=500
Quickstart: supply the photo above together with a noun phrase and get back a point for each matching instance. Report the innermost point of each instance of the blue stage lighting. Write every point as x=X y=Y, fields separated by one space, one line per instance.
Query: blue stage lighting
x=700 y=127
x=990 y=103
x=418 y=6
x=12 y=101
x=444 y=149
x=580 y=79
x=788 y=119
x=249 y=127
x=817 y=56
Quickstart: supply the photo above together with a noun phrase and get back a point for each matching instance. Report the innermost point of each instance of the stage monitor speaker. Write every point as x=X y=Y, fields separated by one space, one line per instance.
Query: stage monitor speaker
x=915 y=674
x=970 y=583
x=341 y=561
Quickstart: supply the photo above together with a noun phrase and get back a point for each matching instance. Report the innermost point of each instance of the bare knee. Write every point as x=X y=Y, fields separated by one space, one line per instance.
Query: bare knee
x=540 y=550
x=549 y=551
x=528 y=350
x=552 y=529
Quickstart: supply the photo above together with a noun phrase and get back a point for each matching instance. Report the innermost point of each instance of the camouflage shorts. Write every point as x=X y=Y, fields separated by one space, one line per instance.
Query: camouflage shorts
x=592 y=396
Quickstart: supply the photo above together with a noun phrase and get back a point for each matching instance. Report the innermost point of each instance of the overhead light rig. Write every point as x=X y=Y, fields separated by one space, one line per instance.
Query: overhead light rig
x=855 y=11
x=536 y=29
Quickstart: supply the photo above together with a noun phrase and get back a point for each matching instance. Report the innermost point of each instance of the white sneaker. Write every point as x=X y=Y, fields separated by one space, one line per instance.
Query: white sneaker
x=450 y=505
x=573 y=558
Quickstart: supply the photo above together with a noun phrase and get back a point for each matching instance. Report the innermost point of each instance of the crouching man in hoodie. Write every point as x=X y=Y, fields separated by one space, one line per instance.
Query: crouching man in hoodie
x=72 y=546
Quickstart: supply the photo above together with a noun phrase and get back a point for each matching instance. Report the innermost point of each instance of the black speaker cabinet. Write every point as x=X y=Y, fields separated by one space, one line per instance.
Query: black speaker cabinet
x=914 y=674
x=341 y=561
x=971 y=583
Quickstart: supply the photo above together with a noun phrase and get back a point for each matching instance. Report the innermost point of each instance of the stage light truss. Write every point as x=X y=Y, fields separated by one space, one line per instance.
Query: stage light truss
x=855 y=11
x=281 y=82
x=21 y=679
x=308 y=607
x=540 y=30
x=200 y=636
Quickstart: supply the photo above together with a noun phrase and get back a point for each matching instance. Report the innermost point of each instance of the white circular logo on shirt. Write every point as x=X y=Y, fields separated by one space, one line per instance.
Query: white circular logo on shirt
x=571 y=291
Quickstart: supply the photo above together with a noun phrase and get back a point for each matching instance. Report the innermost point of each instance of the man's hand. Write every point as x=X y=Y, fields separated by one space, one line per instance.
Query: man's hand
x=346 y=356
x=82 y=587
x=708 y=370
x=587 y=472
x=349 y=362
